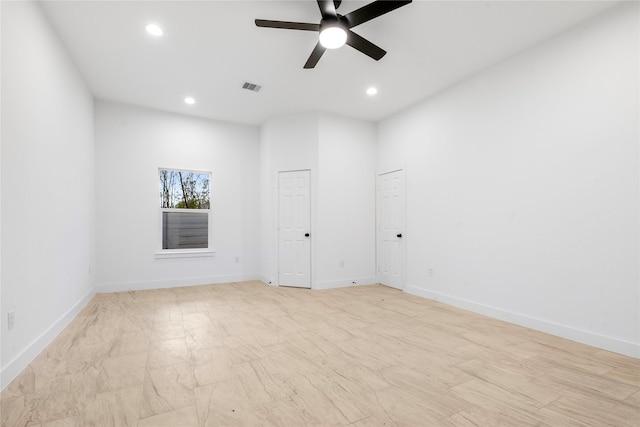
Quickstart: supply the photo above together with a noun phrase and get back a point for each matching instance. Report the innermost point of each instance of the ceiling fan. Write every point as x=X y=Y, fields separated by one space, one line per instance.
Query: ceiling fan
x=335 y=29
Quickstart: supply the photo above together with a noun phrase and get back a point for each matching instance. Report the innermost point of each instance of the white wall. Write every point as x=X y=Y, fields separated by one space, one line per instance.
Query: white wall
x=523 y=186
x=345 y=232
x=131 y=144
x=340 y=152
x=47 y=186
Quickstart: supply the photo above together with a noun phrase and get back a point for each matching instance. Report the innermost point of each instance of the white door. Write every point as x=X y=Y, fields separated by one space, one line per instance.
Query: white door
x=391 y=228
x=294 y=228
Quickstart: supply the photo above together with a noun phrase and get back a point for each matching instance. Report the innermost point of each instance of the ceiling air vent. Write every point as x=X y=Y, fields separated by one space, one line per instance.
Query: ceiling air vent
x=251 y=86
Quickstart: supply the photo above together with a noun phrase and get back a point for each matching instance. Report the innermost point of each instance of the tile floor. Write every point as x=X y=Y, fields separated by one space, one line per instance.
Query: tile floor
x=251 y=355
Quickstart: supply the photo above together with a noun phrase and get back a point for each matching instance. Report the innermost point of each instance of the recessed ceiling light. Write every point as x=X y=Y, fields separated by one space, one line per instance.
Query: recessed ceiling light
x=189 y=100
x=372 y=91
x=154 y=30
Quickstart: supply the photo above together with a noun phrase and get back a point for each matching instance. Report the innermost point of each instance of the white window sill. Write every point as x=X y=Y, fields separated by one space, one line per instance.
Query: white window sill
x=184 y=253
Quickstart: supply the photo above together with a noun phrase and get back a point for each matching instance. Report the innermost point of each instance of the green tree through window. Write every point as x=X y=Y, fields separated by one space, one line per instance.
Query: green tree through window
x=184 y=190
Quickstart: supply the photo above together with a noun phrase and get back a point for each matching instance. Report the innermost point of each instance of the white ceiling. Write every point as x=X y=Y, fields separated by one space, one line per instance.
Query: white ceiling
x=211 y=47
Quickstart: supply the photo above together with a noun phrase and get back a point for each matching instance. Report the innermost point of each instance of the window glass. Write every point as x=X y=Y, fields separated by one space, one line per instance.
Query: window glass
x=184 y=189
x=184 y=204
x=185 y=230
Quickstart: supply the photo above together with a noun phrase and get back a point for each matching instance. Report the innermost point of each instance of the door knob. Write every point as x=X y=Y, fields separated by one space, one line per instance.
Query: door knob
x=306 y=234
x=399 y=235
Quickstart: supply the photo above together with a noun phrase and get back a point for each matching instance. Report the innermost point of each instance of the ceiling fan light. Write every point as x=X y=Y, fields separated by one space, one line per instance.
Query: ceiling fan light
x=333 y=37
x=154 y=30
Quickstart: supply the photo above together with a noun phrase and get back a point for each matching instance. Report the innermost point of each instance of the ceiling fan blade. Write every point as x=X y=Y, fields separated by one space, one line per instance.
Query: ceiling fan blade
x=327 y=9
x=372 y=10
x=365 y=46
x=287 y=25
x=315 y=56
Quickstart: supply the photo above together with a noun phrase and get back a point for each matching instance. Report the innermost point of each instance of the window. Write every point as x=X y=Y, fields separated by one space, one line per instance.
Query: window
x=185 y=211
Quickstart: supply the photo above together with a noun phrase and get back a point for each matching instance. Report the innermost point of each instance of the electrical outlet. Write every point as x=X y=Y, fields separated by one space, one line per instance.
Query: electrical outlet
x=430 y=272
x=11 y=320
x=237 y=259
x=342 y=263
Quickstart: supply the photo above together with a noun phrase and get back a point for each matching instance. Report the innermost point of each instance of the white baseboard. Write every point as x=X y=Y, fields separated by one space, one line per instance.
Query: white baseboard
x=175 y=283
x=344 y=283
x=585 y=337
x=22 y=360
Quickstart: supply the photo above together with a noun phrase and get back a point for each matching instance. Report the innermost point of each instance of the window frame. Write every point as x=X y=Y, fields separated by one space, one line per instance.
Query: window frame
x=192 y=252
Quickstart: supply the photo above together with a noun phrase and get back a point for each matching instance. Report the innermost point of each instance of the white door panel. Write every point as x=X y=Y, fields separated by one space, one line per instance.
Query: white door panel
x=294 y=224
x=390 y=228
